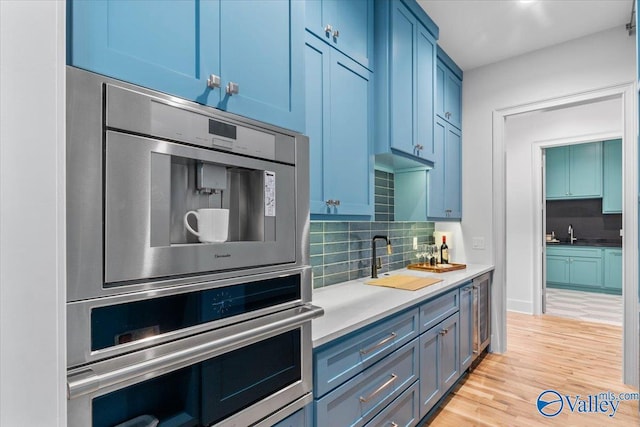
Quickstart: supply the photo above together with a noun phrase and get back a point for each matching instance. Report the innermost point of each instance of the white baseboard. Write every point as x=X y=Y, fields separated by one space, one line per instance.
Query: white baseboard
x=520 y=306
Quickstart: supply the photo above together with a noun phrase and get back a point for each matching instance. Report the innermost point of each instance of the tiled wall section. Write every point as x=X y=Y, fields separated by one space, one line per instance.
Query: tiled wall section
x=341 y=251
x=384 y=196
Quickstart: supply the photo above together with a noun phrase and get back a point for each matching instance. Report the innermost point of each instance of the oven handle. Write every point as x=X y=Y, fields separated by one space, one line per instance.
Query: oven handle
x=87 y=381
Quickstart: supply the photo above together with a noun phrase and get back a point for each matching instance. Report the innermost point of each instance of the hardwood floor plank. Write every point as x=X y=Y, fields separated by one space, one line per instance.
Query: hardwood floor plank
x=570 y=356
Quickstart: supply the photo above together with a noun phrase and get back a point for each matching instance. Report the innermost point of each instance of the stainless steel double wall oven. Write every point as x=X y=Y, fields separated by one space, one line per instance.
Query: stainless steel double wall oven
x=161 y=327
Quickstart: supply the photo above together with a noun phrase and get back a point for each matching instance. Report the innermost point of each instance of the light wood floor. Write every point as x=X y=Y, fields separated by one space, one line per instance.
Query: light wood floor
x=544 y=352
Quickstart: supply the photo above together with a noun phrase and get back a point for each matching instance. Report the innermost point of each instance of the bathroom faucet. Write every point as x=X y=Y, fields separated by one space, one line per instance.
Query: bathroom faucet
x=374 y=266
x=571 y=238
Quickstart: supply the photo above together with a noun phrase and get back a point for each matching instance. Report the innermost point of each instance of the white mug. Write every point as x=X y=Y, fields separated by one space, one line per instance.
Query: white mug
x=213 y=224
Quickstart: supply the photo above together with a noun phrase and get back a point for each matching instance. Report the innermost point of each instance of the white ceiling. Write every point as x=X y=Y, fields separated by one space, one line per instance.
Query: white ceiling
x=480 y=32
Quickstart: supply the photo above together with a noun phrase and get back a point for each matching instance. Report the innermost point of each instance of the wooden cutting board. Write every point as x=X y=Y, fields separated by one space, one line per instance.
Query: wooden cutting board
x=409 y=283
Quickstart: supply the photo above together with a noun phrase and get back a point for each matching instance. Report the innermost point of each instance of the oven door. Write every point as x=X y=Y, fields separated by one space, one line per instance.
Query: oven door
x=238 y=375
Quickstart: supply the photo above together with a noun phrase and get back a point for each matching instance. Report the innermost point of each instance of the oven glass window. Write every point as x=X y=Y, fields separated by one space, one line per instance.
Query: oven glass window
x=209 y=391
x=123 y=323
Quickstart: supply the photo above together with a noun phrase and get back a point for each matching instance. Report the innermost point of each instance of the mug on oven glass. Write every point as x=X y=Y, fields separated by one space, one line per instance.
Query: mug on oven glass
x=213 y=224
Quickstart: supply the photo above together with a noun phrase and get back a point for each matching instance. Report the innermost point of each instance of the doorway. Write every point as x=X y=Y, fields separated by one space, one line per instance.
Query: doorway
x=527 y=243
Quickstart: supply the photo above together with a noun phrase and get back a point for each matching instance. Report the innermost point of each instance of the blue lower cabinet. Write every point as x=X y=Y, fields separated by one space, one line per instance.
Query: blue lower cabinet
x=613 y=269
x=436 y=310
x=439 y=362
x=360 y=399
x=300 y=418
x=466 y=326
x=402 y=412
x=131 y=41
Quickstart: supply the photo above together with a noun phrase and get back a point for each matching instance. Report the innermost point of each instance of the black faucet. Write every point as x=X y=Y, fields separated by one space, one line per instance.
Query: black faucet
x=374 y=267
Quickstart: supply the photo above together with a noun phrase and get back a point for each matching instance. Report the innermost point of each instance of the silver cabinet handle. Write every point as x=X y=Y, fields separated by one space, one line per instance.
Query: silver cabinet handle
x=332 y=202
x=442 y=332
x=336 y=34
x=233 y=88
x=379 y=389
x=213 y=81
x=394 y=424
x=328 y=28
x=382 y=342
x=100 y=375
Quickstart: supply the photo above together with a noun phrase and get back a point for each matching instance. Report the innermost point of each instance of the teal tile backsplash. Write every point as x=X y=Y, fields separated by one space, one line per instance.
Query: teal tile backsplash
x=341 y=251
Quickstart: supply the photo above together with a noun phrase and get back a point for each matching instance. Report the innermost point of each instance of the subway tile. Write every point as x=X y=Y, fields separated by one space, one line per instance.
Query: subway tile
x=315 y=249
x=318 y=282
x=380 y=227
x=340 y=267
x=380 y=199
x=381 y=182
x=316 y=260
x=333 y=258
x=381 y=191
x=316 y=238
x=317 y=270
x=360 y=226
x=364 y=253
x=331 y=248
x=381 y=217
x=341 y=236
x=317 y=226
x=331 y=226
x=336 y=278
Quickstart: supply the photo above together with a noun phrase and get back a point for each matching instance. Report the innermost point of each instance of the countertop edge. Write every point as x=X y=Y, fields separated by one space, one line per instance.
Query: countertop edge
x=336 y=292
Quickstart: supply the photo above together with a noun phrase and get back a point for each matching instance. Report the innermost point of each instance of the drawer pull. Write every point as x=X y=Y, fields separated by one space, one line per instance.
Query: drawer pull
x=386 y=340
x=379 y=389
x=394 y=424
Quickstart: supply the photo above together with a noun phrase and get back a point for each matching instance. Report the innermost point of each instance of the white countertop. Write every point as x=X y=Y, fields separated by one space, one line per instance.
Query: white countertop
x=351 y=305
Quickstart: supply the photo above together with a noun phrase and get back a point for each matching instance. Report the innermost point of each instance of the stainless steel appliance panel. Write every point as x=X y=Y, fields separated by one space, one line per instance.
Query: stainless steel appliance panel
x=481 y=313
x=136 y=211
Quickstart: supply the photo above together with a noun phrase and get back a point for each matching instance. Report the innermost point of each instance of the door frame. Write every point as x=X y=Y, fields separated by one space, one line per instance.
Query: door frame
x=627 y=93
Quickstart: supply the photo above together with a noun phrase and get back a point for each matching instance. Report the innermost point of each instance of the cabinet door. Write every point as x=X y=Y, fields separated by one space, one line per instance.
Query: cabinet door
x=317 y=73
x=351 y=26
x=453 y=174
x=453 y=99
x=449 y=352
x=435 y=201
x=466 y=326
x=430 y=370
x=337 y=120
x=585 y=170
x=586 y=272
x=613 y=269
x=557 y=269
x=425 y=56
x=169 y=46
x=612 y=176
x=441 y=77
x=261 y=50
x=402 y=105
x=557 y=172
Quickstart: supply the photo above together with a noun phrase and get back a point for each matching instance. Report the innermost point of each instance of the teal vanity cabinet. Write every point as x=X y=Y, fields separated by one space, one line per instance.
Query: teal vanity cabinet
x=591 y=269
x=612 y=176
x=405 y=56
x=574 y=171
x=612 y=270
x=338 y=123
x=344 y=25
x=245 y=57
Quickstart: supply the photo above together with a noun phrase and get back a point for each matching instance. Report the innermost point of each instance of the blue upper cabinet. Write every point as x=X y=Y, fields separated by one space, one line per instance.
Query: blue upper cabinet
x=131 y=41
x=445 y=179
x=574 y=171
x=448 y=90
x=338 y=123
x=405 y=74
x=345 y=25
x=612 y=176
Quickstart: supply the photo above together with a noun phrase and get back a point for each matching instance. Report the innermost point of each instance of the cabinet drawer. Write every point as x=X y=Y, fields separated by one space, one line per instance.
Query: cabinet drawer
x=336 y=363
x=438 y=309
x=402 y=412
x=361 y=398
x=574 y=252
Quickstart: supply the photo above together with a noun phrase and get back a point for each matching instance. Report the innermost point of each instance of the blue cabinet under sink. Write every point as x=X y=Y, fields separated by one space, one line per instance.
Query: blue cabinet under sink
x=174 y=47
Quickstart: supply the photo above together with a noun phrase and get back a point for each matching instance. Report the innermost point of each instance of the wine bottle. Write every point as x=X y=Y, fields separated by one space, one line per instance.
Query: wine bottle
x=444 y=251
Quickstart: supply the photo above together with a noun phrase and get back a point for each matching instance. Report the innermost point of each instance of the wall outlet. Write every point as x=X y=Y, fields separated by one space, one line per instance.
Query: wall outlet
x=478 y=243
x=415 y=243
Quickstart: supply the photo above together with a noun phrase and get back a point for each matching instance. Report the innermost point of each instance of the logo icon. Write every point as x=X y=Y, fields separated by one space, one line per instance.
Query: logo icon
x=550 y=403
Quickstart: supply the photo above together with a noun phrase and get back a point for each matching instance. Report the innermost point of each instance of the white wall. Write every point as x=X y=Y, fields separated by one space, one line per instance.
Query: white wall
x=522 y=131
x=32 y=273
x=597 y=61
